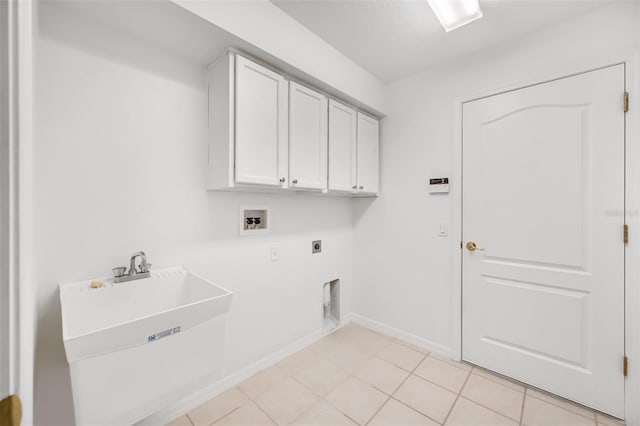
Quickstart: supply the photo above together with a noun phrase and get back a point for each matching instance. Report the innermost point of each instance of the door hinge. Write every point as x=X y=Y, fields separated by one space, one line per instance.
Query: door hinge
x=625 y=366
x=626 y=102
x=625 y=233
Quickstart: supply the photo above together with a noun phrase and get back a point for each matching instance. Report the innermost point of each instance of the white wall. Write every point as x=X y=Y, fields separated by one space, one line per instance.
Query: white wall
x=120 y=166
x=402 y=269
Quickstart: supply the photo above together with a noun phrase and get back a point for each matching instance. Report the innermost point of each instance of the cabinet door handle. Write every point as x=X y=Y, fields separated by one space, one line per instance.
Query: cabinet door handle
x=295 y=181
x=282 y=180
x=361 y=188
x=354 y=187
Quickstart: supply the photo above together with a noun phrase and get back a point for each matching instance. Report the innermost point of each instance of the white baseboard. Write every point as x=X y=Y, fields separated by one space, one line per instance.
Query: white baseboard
x=401 y=335
x=190 y=402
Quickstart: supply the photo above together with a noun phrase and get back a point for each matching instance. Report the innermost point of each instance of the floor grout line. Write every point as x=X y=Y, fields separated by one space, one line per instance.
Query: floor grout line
x=439 y=385
x=482 y=404
x=226 y=415
x=189 y=418
x=451 y=362
x=412 y=347
x=398 y=387
x=288 y=375
x=564 y=408
x=413 y=409
x=487 y=408
x=501 y=384
x=378 y=410
x=400 y=367
x=321 y=398
x=415 y=375
x=263 y=411
x=524 y=400
x=344 y=414
x=492 y=376
x=457 y=398
x=528 y=387
x=351 y=375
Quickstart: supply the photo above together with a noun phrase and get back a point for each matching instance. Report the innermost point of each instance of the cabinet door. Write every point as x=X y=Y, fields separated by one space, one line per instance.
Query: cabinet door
x=261 y=125
x=307 y=138
x=342 y=147
x=367 y=168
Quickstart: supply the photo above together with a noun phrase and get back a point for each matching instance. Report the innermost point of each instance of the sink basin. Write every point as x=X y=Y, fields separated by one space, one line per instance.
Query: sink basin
x=96 y=321
x=143 y=343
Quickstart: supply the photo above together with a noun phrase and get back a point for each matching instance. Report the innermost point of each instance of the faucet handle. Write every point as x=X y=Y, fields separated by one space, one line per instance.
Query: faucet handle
x=119 y=271
x=145 y=267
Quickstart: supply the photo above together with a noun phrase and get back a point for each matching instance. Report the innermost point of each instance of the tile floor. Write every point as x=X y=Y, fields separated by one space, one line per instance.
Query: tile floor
x=356 y=376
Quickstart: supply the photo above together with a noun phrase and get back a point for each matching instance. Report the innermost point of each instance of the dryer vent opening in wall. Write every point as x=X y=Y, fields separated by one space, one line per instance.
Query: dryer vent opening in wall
x=330 y=306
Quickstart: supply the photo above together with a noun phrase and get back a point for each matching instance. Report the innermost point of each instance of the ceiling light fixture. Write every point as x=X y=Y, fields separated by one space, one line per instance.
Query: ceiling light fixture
x=453 y=14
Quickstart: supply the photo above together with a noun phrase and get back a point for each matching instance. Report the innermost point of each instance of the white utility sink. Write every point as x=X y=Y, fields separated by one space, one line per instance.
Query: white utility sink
x=117 y=316
x=168 y=329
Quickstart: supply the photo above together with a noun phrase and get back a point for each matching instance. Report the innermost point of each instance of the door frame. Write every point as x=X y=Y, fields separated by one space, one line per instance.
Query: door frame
x=17 y=305
x=630 y=59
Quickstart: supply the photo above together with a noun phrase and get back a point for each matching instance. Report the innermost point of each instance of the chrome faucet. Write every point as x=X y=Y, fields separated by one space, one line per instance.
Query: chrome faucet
x=120 y=273
x=143 y=263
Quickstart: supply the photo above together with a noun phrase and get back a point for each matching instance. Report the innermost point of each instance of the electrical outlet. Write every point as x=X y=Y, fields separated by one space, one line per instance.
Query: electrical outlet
x=275 y=254
x=316 y=246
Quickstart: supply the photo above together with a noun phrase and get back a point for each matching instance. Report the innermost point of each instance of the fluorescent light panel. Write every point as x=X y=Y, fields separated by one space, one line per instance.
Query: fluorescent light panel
x=453 y=14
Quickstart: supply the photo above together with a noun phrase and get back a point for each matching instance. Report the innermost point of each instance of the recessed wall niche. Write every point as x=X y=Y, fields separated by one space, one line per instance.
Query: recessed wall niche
x=254 y=220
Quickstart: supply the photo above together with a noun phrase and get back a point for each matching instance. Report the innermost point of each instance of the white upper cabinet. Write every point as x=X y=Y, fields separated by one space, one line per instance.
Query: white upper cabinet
x=248 y=113
x=267 y=133
x=342 y=147
x=367 y=168
x=261 y=125
x=307 y=138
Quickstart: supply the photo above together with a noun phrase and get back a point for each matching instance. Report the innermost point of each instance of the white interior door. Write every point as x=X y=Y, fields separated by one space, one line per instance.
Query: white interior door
x=342 y=147
x=261 y=124
x=543 y=197
x=307 y=138
x=367 y=167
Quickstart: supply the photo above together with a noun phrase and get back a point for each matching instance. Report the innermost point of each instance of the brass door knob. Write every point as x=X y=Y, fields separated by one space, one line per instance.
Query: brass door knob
x=471 y=246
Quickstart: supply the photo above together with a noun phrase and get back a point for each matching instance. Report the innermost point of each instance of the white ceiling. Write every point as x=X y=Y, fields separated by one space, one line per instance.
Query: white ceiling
x=396 y=38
